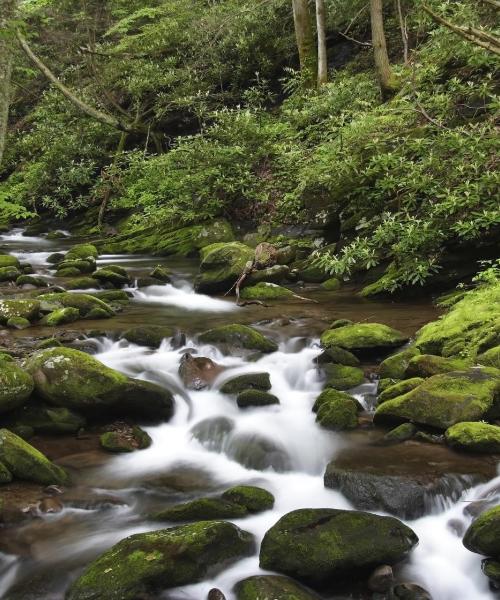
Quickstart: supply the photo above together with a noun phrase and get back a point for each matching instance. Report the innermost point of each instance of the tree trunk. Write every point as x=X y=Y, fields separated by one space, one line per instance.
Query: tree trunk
x=305 y=41
x=383 y=66
x=322 y=56
x=7 y=8
x=109 y=188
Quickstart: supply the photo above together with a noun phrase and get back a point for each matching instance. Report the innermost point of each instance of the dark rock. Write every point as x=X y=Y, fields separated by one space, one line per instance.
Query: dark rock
x=381 y=579
x=272 y=587
x=198 y=372
x=255 y=398
x=247 y=381
x=151 y=336
x=483 y=535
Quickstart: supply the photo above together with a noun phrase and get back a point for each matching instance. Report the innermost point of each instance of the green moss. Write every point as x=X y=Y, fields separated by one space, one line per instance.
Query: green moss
x=338 y=413
x=47 y=419
x=5 y=477
x=275 y=274
x=491 y=568
x=399 y=388
x=443 y=400
x=328 y=396
x=340 y=323
x=426 y=365
x=62 y=316
x=239 y=336
x=9 y=274
x=260 y=587
x=15 y=386
x=248 y=398
x=266 y=291
x=336 y=354
x=8 y=261
x=221 y=265
x=399 y=434
x=82 y=252
x=18 y=323
x=332 y=285
x=256 y=381
x=80 y=265
x=490 y=358
x=69 y=272
x=254 y=499
x=83 y=302
x=82 y=283
x=113 y=296
x=342 y=377
x=151 y=336
x=474 y=437
x=362 y=337
x=161 y=273
x=49 y=343
x=127 y=440
x=394 y=367
x=26 y=462
x=30 y=280
x=109 y=275
x=483 y=535
x=27 y=309
x=201 y=509
x=5 y=357
x=146 y=564
x=310 y=273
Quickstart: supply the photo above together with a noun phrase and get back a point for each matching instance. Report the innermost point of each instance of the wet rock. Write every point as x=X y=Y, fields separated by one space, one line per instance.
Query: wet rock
x=113 y=274
x=285 y=255
x=257 y=452
x=491 y=568
x=319 y=546
x=443 y=400
x=79 y=266
x=9 y=261
x=31 y=280
x=18 y=323
x=265 y=291
x=271 y=275
x=82 y=252
x=16 y=386
x=474 y=437
x=490 y=358
x=456 y=526
x=336 y=410
x=336 y=354
x=255 y=398
x=55 y=258
x=27 y=309
x=49 y=343
x=5 y=475
x=408 y=591
x=9 y=274
x=50 y=506
x=122 y=437
x=215 y=594
x=483 y=535
x=426 y=365
x=238 y=336
x=277 y=587
x=212 y=432
x=340 y=323
x=247 y=381
x=364 y=338
x=394 y=367
x=310 y=273
x=161 y=273
x=399 y=434
x=381 y=579
x=26 y=462
x=86 y=304
x=399 y=388
x=342 y=377
x=221 y=265
x=143 y=282
x=151 y=336
x=332 y=285
x=145 y=564
x=42 y=418
x=69 y=271
x=61 y=316
x=198 y=372
x=201 y=509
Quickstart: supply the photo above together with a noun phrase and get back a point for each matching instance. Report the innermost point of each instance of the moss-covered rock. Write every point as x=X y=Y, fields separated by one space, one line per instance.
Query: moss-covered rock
x=491 y=568
x=490 y=358
x=443 y=400
x=310 y=273
x=125 y=438
x=62 y=316
x=27 y=309
x=342 y=377
x=49 y=343
x=9 y=274
x=221 y=265
x=275 y=587
x=16 y=386
x=319 y=546
x=161 y=273
x=112 y=275
x=254 y=499
x=426 y=365
x=82 y=252
x=9 y=261
x=336 y=354
x=82 y=283
x=337 y=411
x=42 y=418
x=483 y=535
x=275 y=274
x=238 y=336
x=254 y=397
x=151 y=336
x=364 y=338
x=329 y=395
x=340 y=323
x=5 y=477
x=26 y=462
x=474 y=437
x=31 y=280
x=80 y=265
x=399 y=388
x=247 y=381
x=55 y=258
x=145 y=564
x=18 y=323
x=69 y=272
x=332 y=285
x=399 y=434
x=83 y=302
x=394 y=367
x=265 y=291
x=113 y=297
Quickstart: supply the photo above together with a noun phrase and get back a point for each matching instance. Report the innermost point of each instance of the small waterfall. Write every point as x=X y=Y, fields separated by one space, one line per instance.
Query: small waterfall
x=182 y=295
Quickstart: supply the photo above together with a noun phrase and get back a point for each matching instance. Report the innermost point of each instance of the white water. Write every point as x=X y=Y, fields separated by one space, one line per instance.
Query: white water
x=181 y=296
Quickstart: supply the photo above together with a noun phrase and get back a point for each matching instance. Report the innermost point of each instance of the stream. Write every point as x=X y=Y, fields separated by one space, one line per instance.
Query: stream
x=210 y=444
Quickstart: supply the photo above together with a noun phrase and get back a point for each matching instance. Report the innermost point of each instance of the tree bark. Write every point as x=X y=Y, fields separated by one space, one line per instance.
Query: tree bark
x=322 y=55
x=382 y=63
x=305 y=42
x=404 y=30
x=7 y=9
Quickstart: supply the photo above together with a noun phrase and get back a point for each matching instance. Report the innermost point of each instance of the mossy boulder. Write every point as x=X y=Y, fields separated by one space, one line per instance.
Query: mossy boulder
x=73 y=379
x=254 y=499
x=490 y=358
x=340 y=323
x=31 y=280
x=483 y=535
x=332 y=285
x=247 y=381
x=329 y=395
x=275 y=587
x=399 y=389
x=42 y=418
x=342 y=377
x=9 y=274
x=221 y=266
x=125 y=438
x=9 y=261
x=146 y=564
x=249 y=398
x=115 y=276
x=26 y=462
x=394 y=367
x=49 y=343
x=320 y=546
x=311 y=273
x=16 y=386
x=337 y=411
x=238 y=336
x=426 y=365
x=112 y=297
x=151 y=336
x=18 y=323
x=275 y=274
x=62 y=316
x=85 y=303
x=444 y=400
x=364 y=338
x=82 y=283
x=27 y=309
x=399 y=434
x=79 y=265
x=161 y=273
x=55 y=258
x=336 y=354
x=474 y=437
x=5 y=477
x=491 y=568
x=266 y=291
x=82 y=252
x=69 y=272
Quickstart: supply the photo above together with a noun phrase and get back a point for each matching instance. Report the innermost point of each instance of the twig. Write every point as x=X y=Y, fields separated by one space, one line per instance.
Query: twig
x=348 y=37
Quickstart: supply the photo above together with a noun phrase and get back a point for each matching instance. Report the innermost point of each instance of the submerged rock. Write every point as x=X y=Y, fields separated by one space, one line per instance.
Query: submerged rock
x=16 y=386
x=399 y=434
x=275 y=587
x=247 y=381
x=364 y=338
x=319 y=546
x=148 y=335
x=474 y=437
x=198 y=372
x=238 y=336
x=483 y=535
x=146 y=563
x=254 y=451
x=212 y=432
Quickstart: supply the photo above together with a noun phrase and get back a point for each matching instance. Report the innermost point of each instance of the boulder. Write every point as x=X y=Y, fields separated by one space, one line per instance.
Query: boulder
x=337 y=411
x=5 y=477
x=394 y=367
x=62 y=316
x=265 y=291
x=381 y=580
x=27 y=309
x=342 y=377
x=483 y=535
x=76 y=265
x=248 y=398
x=151 y=336
x=198 y=372
x=68 y=272
x=320 y=546
x=490 y=358
x=254 y=499
x=31 y=280
x=9 y=261
x=161 y=273
x=42 y=418
x=399 y=388
x=25 y=462
x=311 y=273
x=444 y=400
x=247 y=381
x=82 y=252
x=399 y=434
x=9 y=274
x=112 y=274
x=340 y=323
x=364 y=338
x=332 y=285
x=87 y=305
x=145 y=564
x=221 y=265
x=272 y=275
x=275 y=587
x=427 y=365
x=491 y=568
x=125 y=438
x=336 y=354
x=238 y=336
x=55 y=258
x=474 y=437
x=16 y=386
x=19 y=323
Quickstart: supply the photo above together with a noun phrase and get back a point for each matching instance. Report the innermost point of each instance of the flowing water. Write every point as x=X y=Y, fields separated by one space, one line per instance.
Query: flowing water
x=210 y=444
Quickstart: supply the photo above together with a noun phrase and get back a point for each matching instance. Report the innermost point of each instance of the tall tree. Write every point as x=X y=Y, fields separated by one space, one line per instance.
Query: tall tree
x=305 y=41
x=7 y=9
x=381 y=56
x=322 y=56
